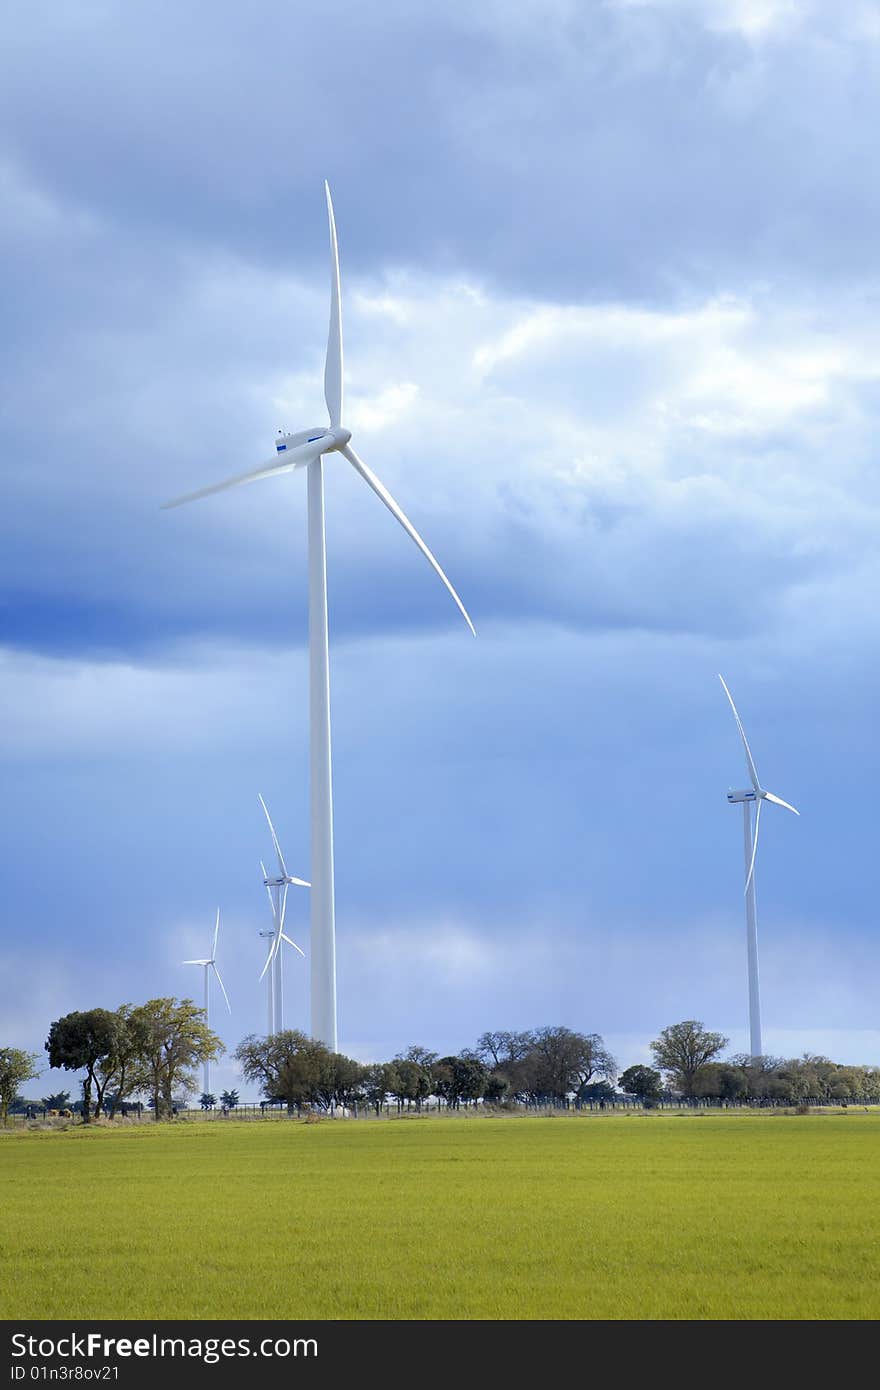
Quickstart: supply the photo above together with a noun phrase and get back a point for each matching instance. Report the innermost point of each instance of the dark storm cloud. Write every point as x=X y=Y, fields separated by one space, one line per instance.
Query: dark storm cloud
x=578 y=150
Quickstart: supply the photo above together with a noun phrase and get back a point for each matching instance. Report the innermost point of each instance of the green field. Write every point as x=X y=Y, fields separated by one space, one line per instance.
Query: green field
x=658 y=1216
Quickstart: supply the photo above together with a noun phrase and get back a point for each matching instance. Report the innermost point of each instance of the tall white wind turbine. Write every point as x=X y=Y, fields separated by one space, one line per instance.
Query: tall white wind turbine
x=277 y=887
x=306 y=449
x=753 y=796
x=209 y=965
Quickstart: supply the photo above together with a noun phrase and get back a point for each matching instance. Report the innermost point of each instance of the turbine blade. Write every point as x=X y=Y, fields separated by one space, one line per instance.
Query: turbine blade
x=222 y=986
x=282 y=910
x=268 y=890
x=777 y=801
x=754 y=847
x=216 y=931
x=333 y=361
x=750 y=762
x=269 y=957
x=285 y=937
x=274 y=837
x=385 y=496
x=286 y=463
x=195 y=962
x=300 y=882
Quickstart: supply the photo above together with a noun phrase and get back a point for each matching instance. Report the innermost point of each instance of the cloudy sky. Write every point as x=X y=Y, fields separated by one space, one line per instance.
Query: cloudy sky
x=611 y=309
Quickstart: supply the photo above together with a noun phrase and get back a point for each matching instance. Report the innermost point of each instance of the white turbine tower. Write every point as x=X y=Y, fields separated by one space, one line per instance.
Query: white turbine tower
x=277 y=889
x=209 y=965
x=753 y=796
x=306 y=449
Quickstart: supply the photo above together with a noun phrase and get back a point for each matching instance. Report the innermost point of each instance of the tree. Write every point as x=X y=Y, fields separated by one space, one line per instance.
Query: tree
x=502 y=1048
x=596 y=1090
x=82 y=1041
x=412 y=1071
x=422 y=1056
x=207 y=1101
x=170 y=1038
x=291 y=1067
x=496 y=1087
x=724 y=1081
x=683 y=1048
x=59 y=1100
x=380 y=1081
x=457 y=1079
x=643 y=1082
x=119 y=1068
x=567 y=1061
x=229 y=1099
x=16 y=1067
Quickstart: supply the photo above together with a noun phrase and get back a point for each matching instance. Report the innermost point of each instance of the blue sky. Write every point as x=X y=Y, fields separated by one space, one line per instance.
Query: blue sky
x=610 y=295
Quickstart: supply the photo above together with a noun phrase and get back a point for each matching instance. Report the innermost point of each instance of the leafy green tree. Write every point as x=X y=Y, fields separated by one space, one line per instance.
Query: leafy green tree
x=596 y=1090
x=724 y=1081
x=299 y=1070
x=345 y=1081
x=643 y=1082
x=207 y=1101
x=496 y=1087
x=119 y=1069
x=380 y=1081
x=457 y=1079
x=59 y=1100
x=16 y=1067
x=171 y=1037
x=683 y=1048
x=412 y=1080
x=82 y=1041
x=229 y=1099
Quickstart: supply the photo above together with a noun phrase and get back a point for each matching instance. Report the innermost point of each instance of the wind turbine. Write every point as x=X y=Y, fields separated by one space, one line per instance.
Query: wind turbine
x=306 y=449
x=209 y=965
x=753 y=796
x=277 y=889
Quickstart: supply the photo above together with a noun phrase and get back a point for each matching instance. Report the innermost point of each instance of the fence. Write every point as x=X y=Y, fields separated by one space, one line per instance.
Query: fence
x=389 y=1109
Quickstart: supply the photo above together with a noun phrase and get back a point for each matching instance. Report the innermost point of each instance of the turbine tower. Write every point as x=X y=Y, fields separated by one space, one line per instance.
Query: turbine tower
x=268 y=935
x=209 y=965
x=753 y=796
x=306 y=449
x=277 y=889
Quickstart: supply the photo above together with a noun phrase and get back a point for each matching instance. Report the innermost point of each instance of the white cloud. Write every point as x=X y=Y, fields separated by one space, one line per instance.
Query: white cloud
x=751 y=19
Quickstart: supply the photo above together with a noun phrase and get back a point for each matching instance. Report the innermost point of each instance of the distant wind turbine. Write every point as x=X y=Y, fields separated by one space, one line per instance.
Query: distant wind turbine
x=209 y=965
x=277 y=889
x=306 y=449
x=753 y=796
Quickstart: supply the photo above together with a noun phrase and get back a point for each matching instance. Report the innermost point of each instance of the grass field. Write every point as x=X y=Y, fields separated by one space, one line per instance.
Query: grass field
x=726 y=1216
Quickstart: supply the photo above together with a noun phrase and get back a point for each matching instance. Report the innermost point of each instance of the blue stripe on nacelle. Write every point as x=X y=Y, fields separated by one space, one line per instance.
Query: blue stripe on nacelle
x=280 y=448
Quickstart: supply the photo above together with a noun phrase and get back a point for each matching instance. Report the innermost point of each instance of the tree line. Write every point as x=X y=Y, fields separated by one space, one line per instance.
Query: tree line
x=153 y=1049
x=689 y=1065
x=545 y=1065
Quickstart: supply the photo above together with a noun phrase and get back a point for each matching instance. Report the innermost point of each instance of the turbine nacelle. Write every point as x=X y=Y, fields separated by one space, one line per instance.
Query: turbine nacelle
x=759 y=794
x=329 y=439
x=282 y=882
